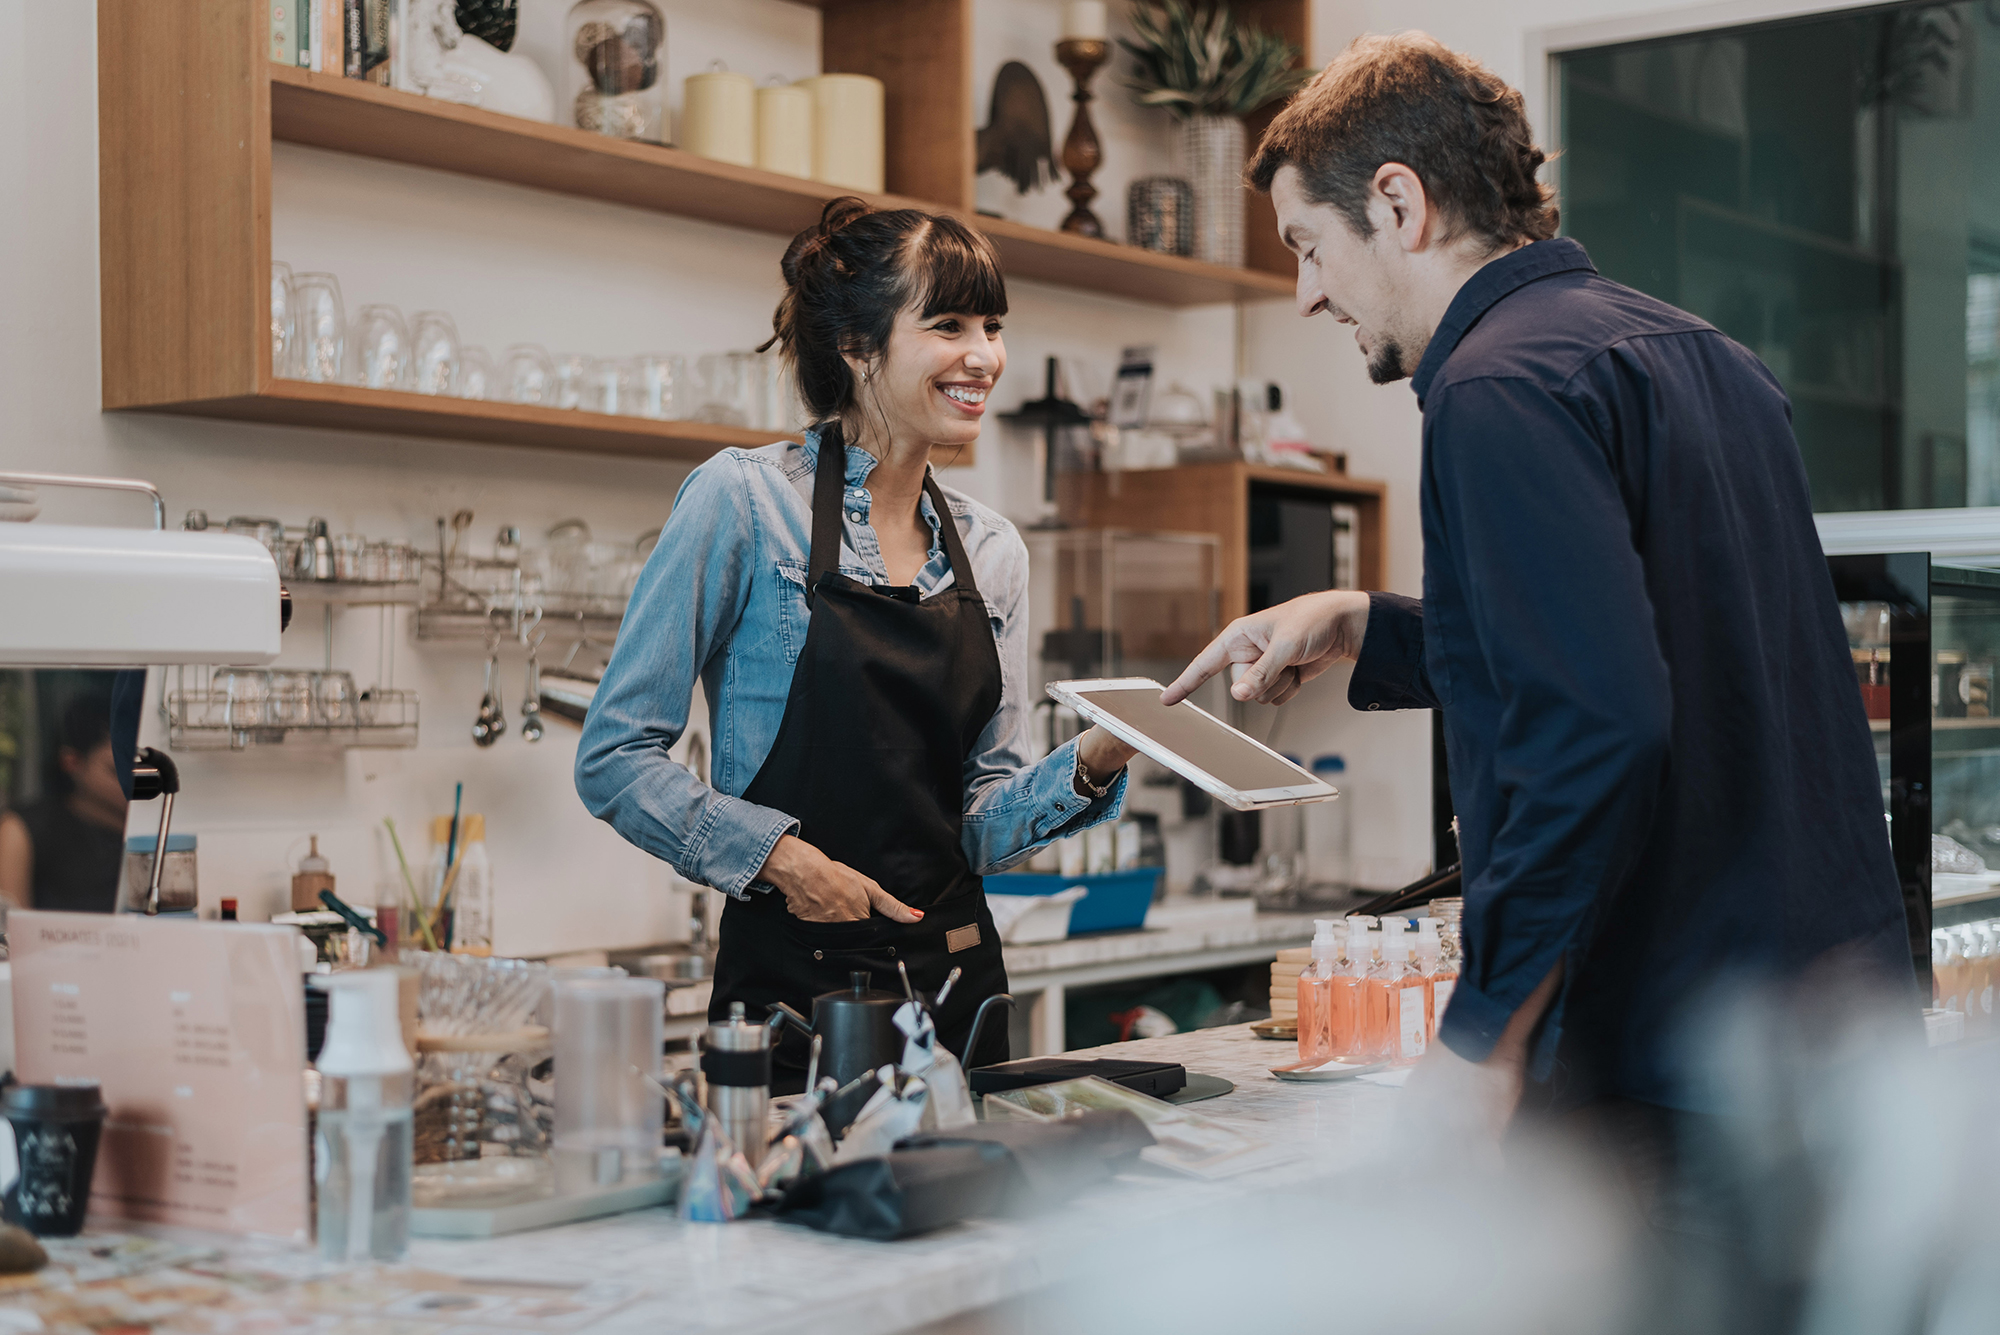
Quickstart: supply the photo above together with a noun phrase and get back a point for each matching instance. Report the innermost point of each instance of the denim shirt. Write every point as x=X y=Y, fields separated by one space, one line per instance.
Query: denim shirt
x=724 y=596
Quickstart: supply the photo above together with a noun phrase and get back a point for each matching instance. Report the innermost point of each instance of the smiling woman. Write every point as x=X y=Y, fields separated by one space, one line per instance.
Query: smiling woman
x=861 y=637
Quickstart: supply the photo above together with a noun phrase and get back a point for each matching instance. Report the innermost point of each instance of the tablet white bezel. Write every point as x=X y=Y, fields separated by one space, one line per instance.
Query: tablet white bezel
x=1074 y=694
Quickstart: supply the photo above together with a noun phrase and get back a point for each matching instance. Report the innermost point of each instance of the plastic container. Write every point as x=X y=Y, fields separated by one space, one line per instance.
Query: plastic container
x=608 y=1118
x=177 y=878
x=1118 y=901
x=1329 y=834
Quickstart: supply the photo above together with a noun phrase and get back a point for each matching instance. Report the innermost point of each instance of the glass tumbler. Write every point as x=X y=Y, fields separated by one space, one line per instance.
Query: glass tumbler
x=378 y=355
x=281 y=318
x=478 y=377
x=267 y=531
x=655 y=378
x=725 y=389
x=243 y=692
x=333 y=698
x=349 y=556
x=572 y=377
x=433 y=352
x=608 y=387
x=319 y=328
x=528 y=374
x=291 y=700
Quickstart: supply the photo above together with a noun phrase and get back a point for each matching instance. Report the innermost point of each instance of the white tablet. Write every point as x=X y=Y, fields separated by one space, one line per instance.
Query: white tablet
x=1193 y=743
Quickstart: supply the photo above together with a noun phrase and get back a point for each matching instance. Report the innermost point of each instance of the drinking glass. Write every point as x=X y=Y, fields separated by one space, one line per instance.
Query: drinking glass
x=478 y=378
x=319 y=327
x=655 y=377
x=349 y=555
x=379 y=349
x=243 y=692
x=281 y=318
x=724 y=382
x=571 y=379
x=267 y=531
x=333 y=698
x=433 y=352
x=775 y=399
x=290 y=704
x=529 y=375
x=608 y=387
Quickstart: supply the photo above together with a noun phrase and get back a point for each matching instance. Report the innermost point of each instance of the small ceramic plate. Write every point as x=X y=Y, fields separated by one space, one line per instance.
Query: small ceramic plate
x=1315 y=1073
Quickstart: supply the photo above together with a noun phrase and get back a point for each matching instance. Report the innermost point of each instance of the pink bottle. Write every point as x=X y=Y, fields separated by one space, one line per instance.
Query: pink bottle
x=1315 y=988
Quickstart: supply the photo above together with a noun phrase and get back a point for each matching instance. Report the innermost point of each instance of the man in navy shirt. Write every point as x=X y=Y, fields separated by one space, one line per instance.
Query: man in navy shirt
x=1658 y=753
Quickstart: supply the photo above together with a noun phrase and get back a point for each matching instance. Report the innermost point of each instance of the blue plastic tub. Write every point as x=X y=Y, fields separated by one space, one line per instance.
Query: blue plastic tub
x=1117 y=901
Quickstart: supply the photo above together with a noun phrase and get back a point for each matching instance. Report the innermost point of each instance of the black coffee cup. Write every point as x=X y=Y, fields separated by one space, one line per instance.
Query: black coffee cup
x=56 y=1128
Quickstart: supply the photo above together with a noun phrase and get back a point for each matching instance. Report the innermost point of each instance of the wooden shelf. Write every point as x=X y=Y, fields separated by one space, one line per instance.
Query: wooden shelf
x=400 y=413
x=189 y=108
x=350 y=116
x=1215 y=498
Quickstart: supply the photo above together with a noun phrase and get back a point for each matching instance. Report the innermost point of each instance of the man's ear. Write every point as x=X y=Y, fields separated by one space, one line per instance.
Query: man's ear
x=1405 y=207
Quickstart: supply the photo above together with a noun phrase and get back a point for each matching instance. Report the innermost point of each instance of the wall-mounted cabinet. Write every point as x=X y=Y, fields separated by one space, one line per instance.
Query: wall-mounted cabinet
x=1227 y=499
x=189 y=108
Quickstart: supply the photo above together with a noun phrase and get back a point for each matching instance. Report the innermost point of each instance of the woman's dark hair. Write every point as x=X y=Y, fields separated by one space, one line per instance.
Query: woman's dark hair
x=848 y=277
x=86 y=725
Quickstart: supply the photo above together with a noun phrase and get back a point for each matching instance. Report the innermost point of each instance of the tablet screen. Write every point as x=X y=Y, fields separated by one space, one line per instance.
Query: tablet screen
x=1203 y=741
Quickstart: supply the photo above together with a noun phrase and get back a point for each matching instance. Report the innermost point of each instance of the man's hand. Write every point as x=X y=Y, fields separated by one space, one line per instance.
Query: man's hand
x=1476 y=1100
x=818 y=889
x=1286 y=647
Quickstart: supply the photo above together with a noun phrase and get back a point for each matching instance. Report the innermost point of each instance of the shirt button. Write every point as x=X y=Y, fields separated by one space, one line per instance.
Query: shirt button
x=892 y=952
x=819 y=954
x=1374 y=704
x=854 y=515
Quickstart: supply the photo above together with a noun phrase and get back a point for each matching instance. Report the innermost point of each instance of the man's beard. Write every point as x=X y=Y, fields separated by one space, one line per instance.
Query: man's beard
x=1385 y=363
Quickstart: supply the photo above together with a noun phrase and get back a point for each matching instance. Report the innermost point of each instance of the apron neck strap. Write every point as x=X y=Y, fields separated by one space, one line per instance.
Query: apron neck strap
x=829 y=486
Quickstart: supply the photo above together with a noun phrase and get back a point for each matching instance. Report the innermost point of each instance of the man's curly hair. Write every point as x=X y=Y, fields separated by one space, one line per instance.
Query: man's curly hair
x=1411 y=99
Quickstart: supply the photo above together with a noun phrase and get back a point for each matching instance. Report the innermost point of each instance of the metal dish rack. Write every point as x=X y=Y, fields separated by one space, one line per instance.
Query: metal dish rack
x=200 y=718
x=479 y=598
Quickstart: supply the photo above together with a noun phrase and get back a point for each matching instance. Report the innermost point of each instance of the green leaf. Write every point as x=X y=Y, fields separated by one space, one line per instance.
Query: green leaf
x=1194 y=58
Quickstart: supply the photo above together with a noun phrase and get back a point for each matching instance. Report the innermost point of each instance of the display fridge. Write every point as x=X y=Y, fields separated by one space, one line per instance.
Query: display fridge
x=1925 y=638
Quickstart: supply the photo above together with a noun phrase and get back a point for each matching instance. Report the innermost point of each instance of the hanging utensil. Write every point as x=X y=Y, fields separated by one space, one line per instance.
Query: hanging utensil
x=531 y=702
x=491 y=723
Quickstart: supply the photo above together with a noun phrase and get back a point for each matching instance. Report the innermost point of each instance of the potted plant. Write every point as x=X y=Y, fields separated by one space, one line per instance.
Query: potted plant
x=1210 y=71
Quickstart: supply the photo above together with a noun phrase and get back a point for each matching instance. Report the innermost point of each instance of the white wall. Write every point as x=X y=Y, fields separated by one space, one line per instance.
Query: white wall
x=509 y=264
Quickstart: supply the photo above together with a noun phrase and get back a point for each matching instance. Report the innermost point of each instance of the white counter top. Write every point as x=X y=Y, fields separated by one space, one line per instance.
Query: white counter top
x=764 y=1276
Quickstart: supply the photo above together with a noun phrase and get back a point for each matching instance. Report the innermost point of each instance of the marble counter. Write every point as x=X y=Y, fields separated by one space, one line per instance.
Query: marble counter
x=646 y=1271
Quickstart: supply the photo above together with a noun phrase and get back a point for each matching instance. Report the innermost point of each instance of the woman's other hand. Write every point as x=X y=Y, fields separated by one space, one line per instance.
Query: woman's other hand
x=818 y=889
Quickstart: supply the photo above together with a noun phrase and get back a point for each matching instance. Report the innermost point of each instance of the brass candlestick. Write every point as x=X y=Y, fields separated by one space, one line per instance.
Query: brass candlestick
x=1082 y=155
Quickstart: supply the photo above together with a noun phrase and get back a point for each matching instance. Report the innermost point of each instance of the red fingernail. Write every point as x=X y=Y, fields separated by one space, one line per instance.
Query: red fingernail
x=918 y=912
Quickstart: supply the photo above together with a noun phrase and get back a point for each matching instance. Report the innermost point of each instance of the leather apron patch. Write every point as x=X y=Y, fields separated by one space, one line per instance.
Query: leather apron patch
x=961 y=938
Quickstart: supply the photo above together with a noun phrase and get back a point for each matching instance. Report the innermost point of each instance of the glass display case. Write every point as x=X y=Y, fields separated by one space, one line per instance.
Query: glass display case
x=1925 y=638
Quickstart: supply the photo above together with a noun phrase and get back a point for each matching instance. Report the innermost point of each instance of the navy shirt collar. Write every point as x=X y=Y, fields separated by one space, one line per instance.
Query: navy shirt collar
x=1514 y=270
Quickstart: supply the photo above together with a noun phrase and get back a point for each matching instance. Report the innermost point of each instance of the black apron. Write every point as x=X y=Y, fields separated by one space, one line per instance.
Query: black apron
x=889 y=696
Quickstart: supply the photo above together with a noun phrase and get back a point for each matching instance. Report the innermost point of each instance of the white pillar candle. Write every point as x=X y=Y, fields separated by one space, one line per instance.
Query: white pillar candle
x=785 y=129
x=847 y=131
x=1085 y=20
x=719 y=117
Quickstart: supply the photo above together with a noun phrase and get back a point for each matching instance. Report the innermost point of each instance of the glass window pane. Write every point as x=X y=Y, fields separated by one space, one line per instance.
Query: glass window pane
x=1827 y=192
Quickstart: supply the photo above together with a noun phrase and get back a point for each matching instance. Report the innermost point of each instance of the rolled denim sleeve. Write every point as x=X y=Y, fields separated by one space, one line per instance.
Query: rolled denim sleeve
x=683 y=609
x=1013 y=808
x=1390 y=673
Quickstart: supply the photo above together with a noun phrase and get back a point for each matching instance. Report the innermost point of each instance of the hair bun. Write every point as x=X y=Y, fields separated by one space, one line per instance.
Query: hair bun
x=808 y=246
